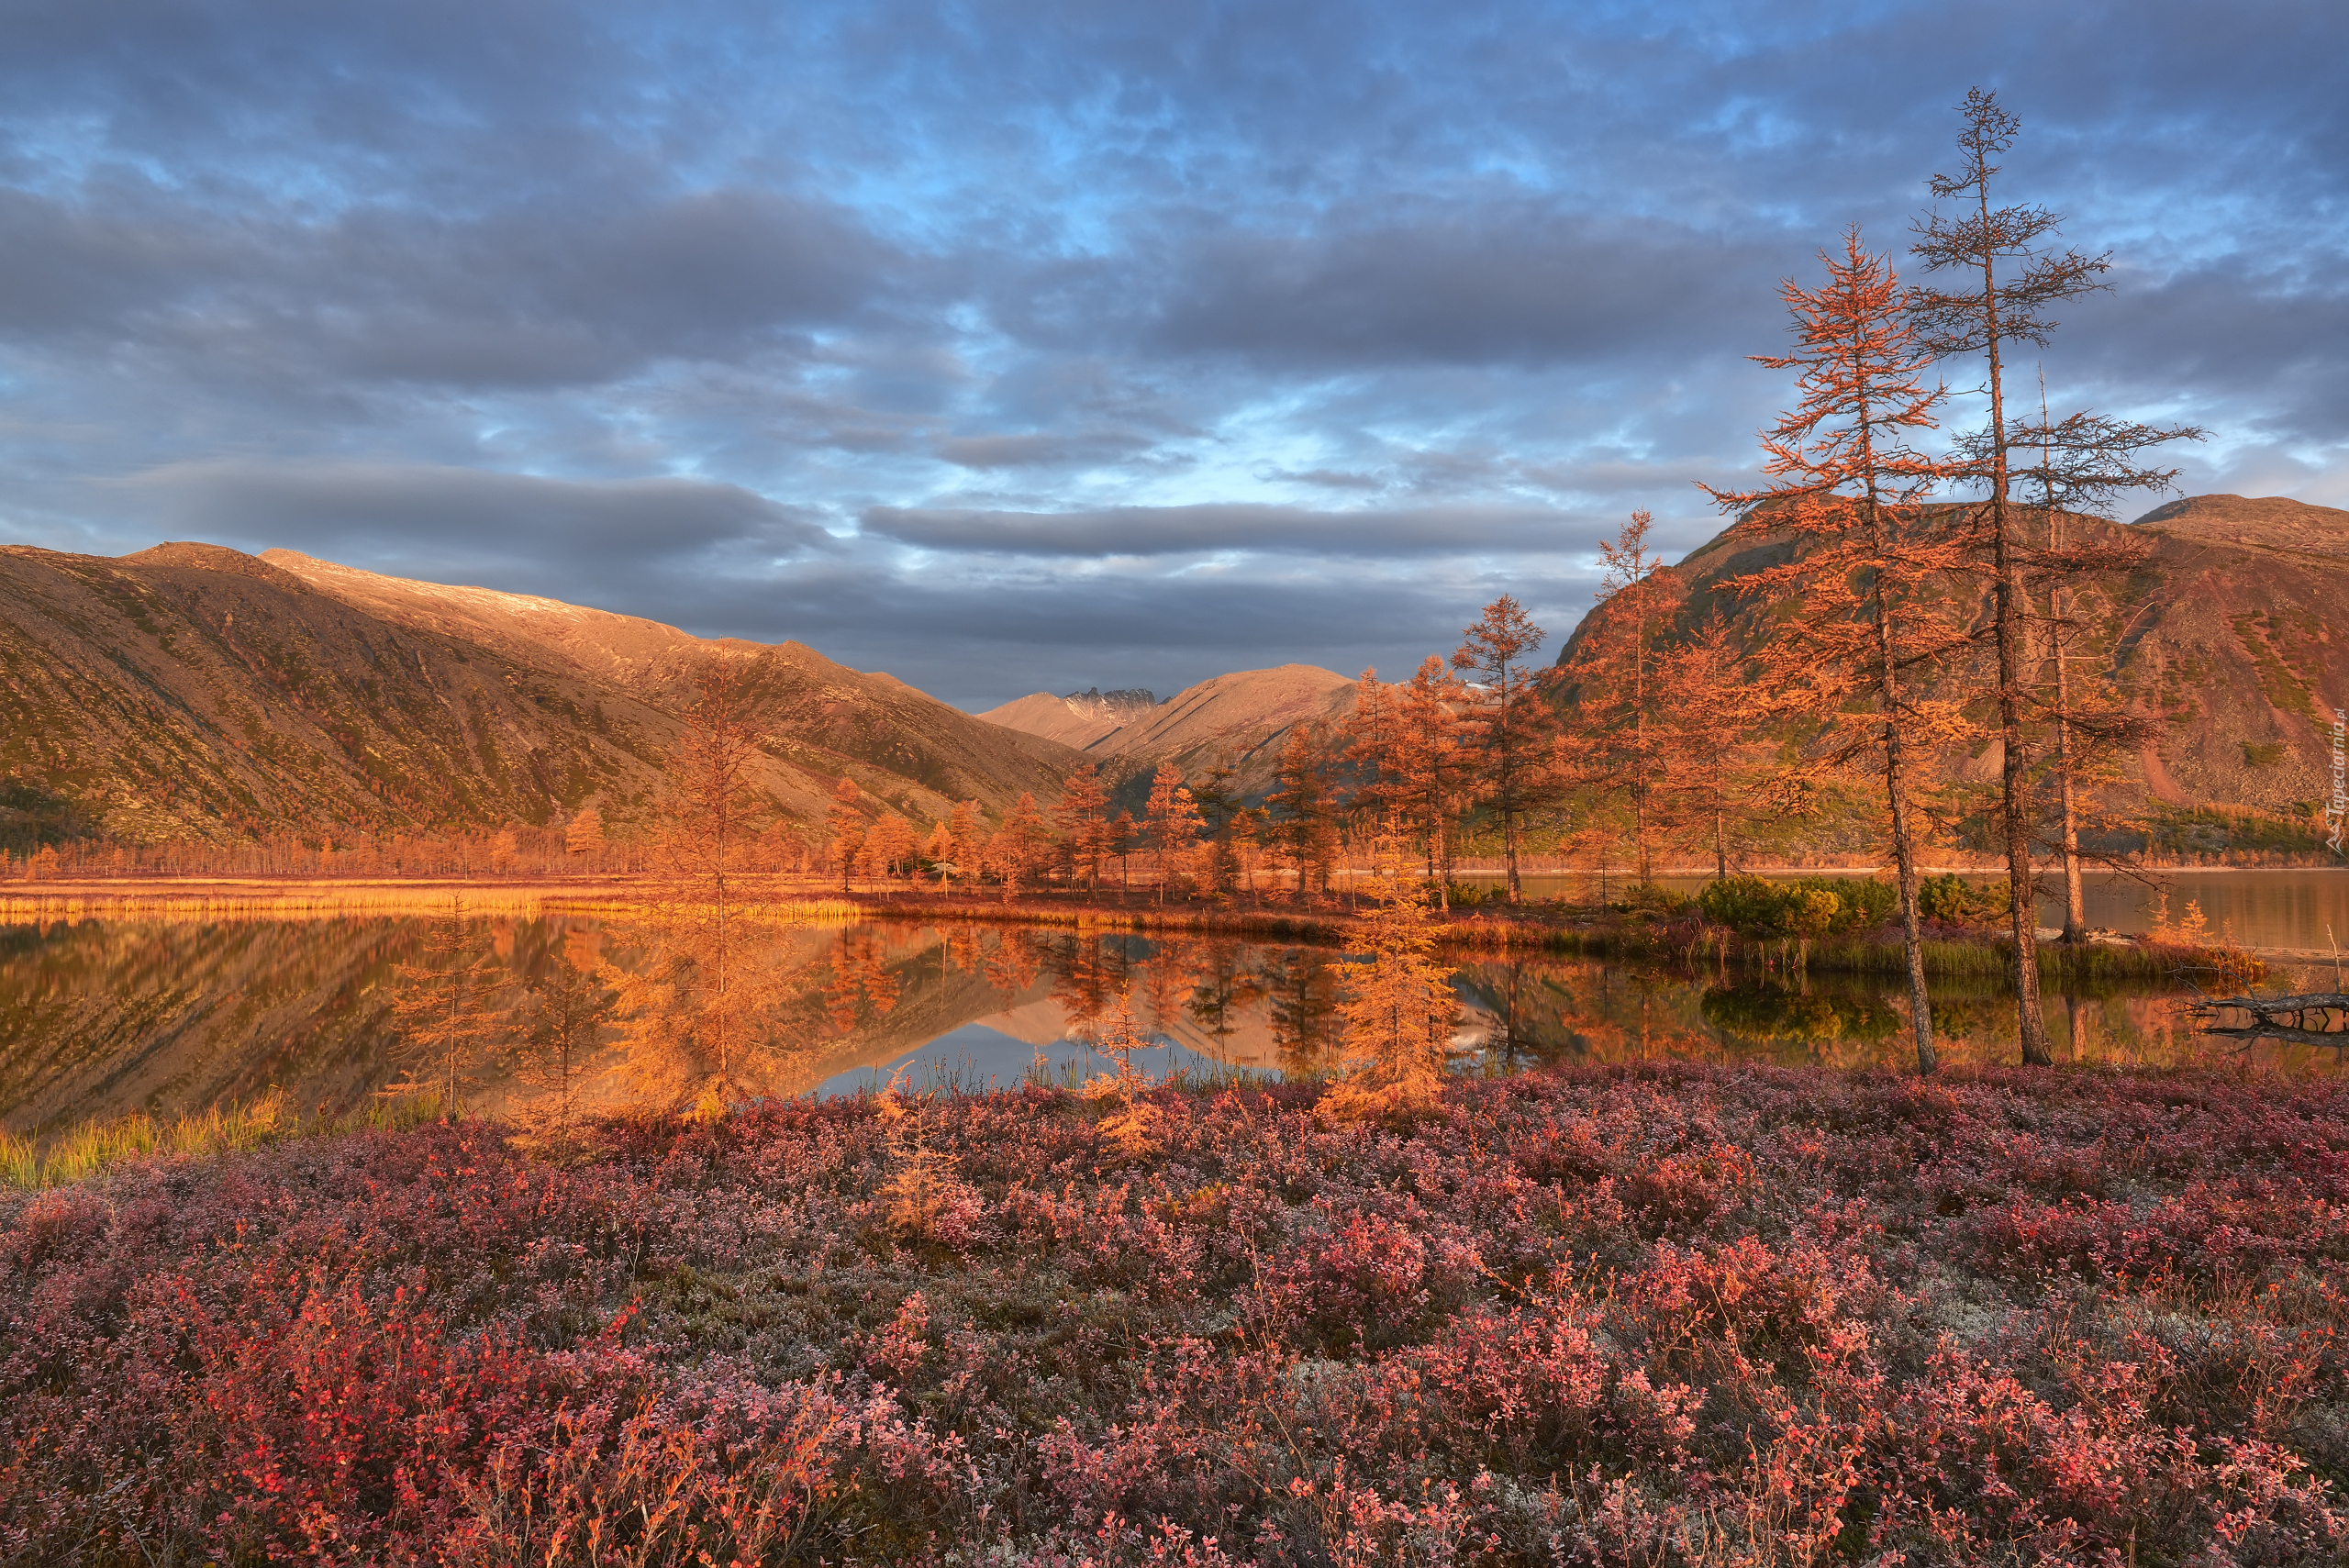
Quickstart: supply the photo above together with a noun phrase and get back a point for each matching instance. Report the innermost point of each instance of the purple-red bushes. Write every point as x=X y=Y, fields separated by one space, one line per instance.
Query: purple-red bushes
x=1677 y=1315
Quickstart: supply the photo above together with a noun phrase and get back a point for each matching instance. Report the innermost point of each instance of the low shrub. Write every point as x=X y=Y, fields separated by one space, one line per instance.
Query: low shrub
x=1808 y=906
x=1953 y=901
x=1667 y=1314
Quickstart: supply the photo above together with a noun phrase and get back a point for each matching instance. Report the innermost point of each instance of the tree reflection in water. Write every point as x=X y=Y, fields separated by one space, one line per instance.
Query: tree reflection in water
x=98 y=1018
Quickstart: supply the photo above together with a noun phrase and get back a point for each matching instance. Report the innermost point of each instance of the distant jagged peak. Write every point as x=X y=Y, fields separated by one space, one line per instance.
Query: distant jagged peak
x=1122 y=704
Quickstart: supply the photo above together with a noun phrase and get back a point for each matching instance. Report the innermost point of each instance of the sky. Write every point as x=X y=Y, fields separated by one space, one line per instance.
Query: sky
x=1043 y=346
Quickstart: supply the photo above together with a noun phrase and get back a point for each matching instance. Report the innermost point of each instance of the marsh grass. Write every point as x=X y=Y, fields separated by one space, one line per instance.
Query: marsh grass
x=83 y=1151
x=76 y=1153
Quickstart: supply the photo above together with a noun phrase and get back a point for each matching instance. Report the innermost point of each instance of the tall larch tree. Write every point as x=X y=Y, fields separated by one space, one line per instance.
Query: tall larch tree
x=1018 y=844
x=1300 y=827
x=2005 y=279
x=845 y=825
x=1217 y=793
x=1511 y=722
x=2077 y=465
x=1170 y=823
x=1711 y=718
x=1371 y=735
x=1624 y=747
x=965 y=826
x=1432 y=763
x=1081 y=816
x=1850 y=488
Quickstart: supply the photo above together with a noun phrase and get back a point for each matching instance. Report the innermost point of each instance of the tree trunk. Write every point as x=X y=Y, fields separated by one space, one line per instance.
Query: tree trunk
x=1508 y=842
x=2014 y=802
x=2075 y=925
x=1904 y=853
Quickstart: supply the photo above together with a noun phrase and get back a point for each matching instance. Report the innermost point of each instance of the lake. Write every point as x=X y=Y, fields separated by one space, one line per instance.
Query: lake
x=98 y=1018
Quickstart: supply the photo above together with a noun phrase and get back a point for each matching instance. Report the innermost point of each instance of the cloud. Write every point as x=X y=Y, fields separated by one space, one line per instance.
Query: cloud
x=983 y=640
x=398 y=511
x=1039 y=450
x=1222 y=527
x=1138 y=339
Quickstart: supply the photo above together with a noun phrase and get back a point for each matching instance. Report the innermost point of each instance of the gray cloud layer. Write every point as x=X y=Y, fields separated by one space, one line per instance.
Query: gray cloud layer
x=1055 y=344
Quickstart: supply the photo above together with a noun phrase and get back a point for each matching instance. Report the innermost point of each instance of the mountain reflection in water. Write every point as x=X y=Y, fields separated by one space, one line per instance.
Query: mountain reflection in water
x=101 y=1017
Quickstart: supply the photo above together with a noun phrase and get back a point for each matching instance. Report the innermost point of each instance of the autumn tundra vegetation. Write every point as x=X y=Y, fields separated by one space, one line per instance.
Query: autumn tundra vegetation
x=1653 y=1314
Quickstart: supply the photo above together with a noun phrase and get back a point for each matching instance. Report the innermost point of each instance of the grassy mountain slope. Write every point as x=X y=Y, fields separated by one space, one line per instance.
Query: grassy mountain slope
x=191 y=691
x=822 y=719
x=2231 y=631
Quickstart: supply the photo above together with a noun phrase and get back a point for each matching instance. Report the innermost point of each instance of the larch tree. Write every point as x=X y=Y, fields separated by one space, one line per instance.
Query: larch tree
x=1129 y=1119
x=1625 y=743
x=1398 y=1008
x=1218 y=797
x=1124 y=834
x=1850 y=488
x=585 y=833
x=1711 y=721
x=845 y=825
x=2078 y=464
x=1170 y=823
x=1019 y=845
x=964 y=829
x=1509 y=718
x=2006 y=278
x=1372 y=732
x=889 y=847
x=1300 y=806
x=1433 y=766
x=939 y=848
x=1082 y=817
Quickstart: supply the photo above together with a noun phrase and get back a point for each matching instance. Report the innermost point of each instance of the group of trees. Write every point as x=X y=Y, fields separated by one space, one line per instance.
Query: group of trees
x=1932 y=595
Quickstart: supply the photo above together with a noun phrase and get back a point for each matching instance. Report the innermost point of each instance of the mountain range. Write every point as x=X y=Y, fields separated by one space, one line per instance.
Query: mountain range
x=192 y=691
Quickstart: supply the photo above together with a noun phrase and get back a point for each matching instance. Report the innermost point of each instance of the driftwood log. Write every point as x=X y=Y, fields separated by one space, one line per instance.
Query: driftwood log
x=2319 y=1018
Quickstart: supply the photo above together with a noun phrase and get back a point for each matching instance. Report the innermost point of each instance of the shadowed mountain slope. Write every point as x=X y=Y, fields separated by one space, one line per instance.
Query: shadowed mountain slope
x=194 y=690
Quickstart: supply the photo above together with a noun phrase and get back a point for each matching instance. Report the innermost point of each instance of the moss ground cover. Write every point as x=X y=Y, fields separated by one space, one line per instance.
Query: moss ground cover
x=1673 y=1314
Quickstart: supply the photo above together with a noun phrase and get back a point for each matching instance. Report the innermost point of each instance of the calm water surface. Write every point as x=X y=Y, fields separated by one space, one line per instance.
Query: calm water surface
x=99 y=1018
x=2281 y=908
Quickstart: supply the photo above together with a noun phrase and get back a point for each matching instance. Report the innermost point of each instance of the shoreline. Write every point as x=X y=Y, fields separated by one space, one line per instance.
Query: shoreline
x=1581 y=932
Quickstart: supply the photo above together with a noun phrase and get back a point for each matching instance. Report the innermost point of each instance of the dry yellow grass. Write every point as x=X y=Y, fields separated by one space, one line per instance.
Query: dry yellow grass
x=213 y=899
x=86 y=1150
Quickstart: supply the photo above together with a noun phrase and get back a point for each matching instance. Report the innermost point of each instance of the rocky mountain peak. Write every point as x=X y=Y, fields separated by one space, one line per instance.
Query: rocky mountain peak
x=1127 y=703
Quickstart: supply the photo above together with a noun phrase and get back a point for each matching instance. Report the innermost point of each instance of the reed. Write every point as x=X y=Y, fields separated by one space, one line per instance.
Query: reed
x=83 y=1151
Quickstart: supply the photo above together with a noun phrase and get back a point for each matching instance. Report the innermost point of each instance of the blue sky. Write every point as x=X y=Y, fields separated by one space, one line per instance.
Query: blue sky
x=1029 y=347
